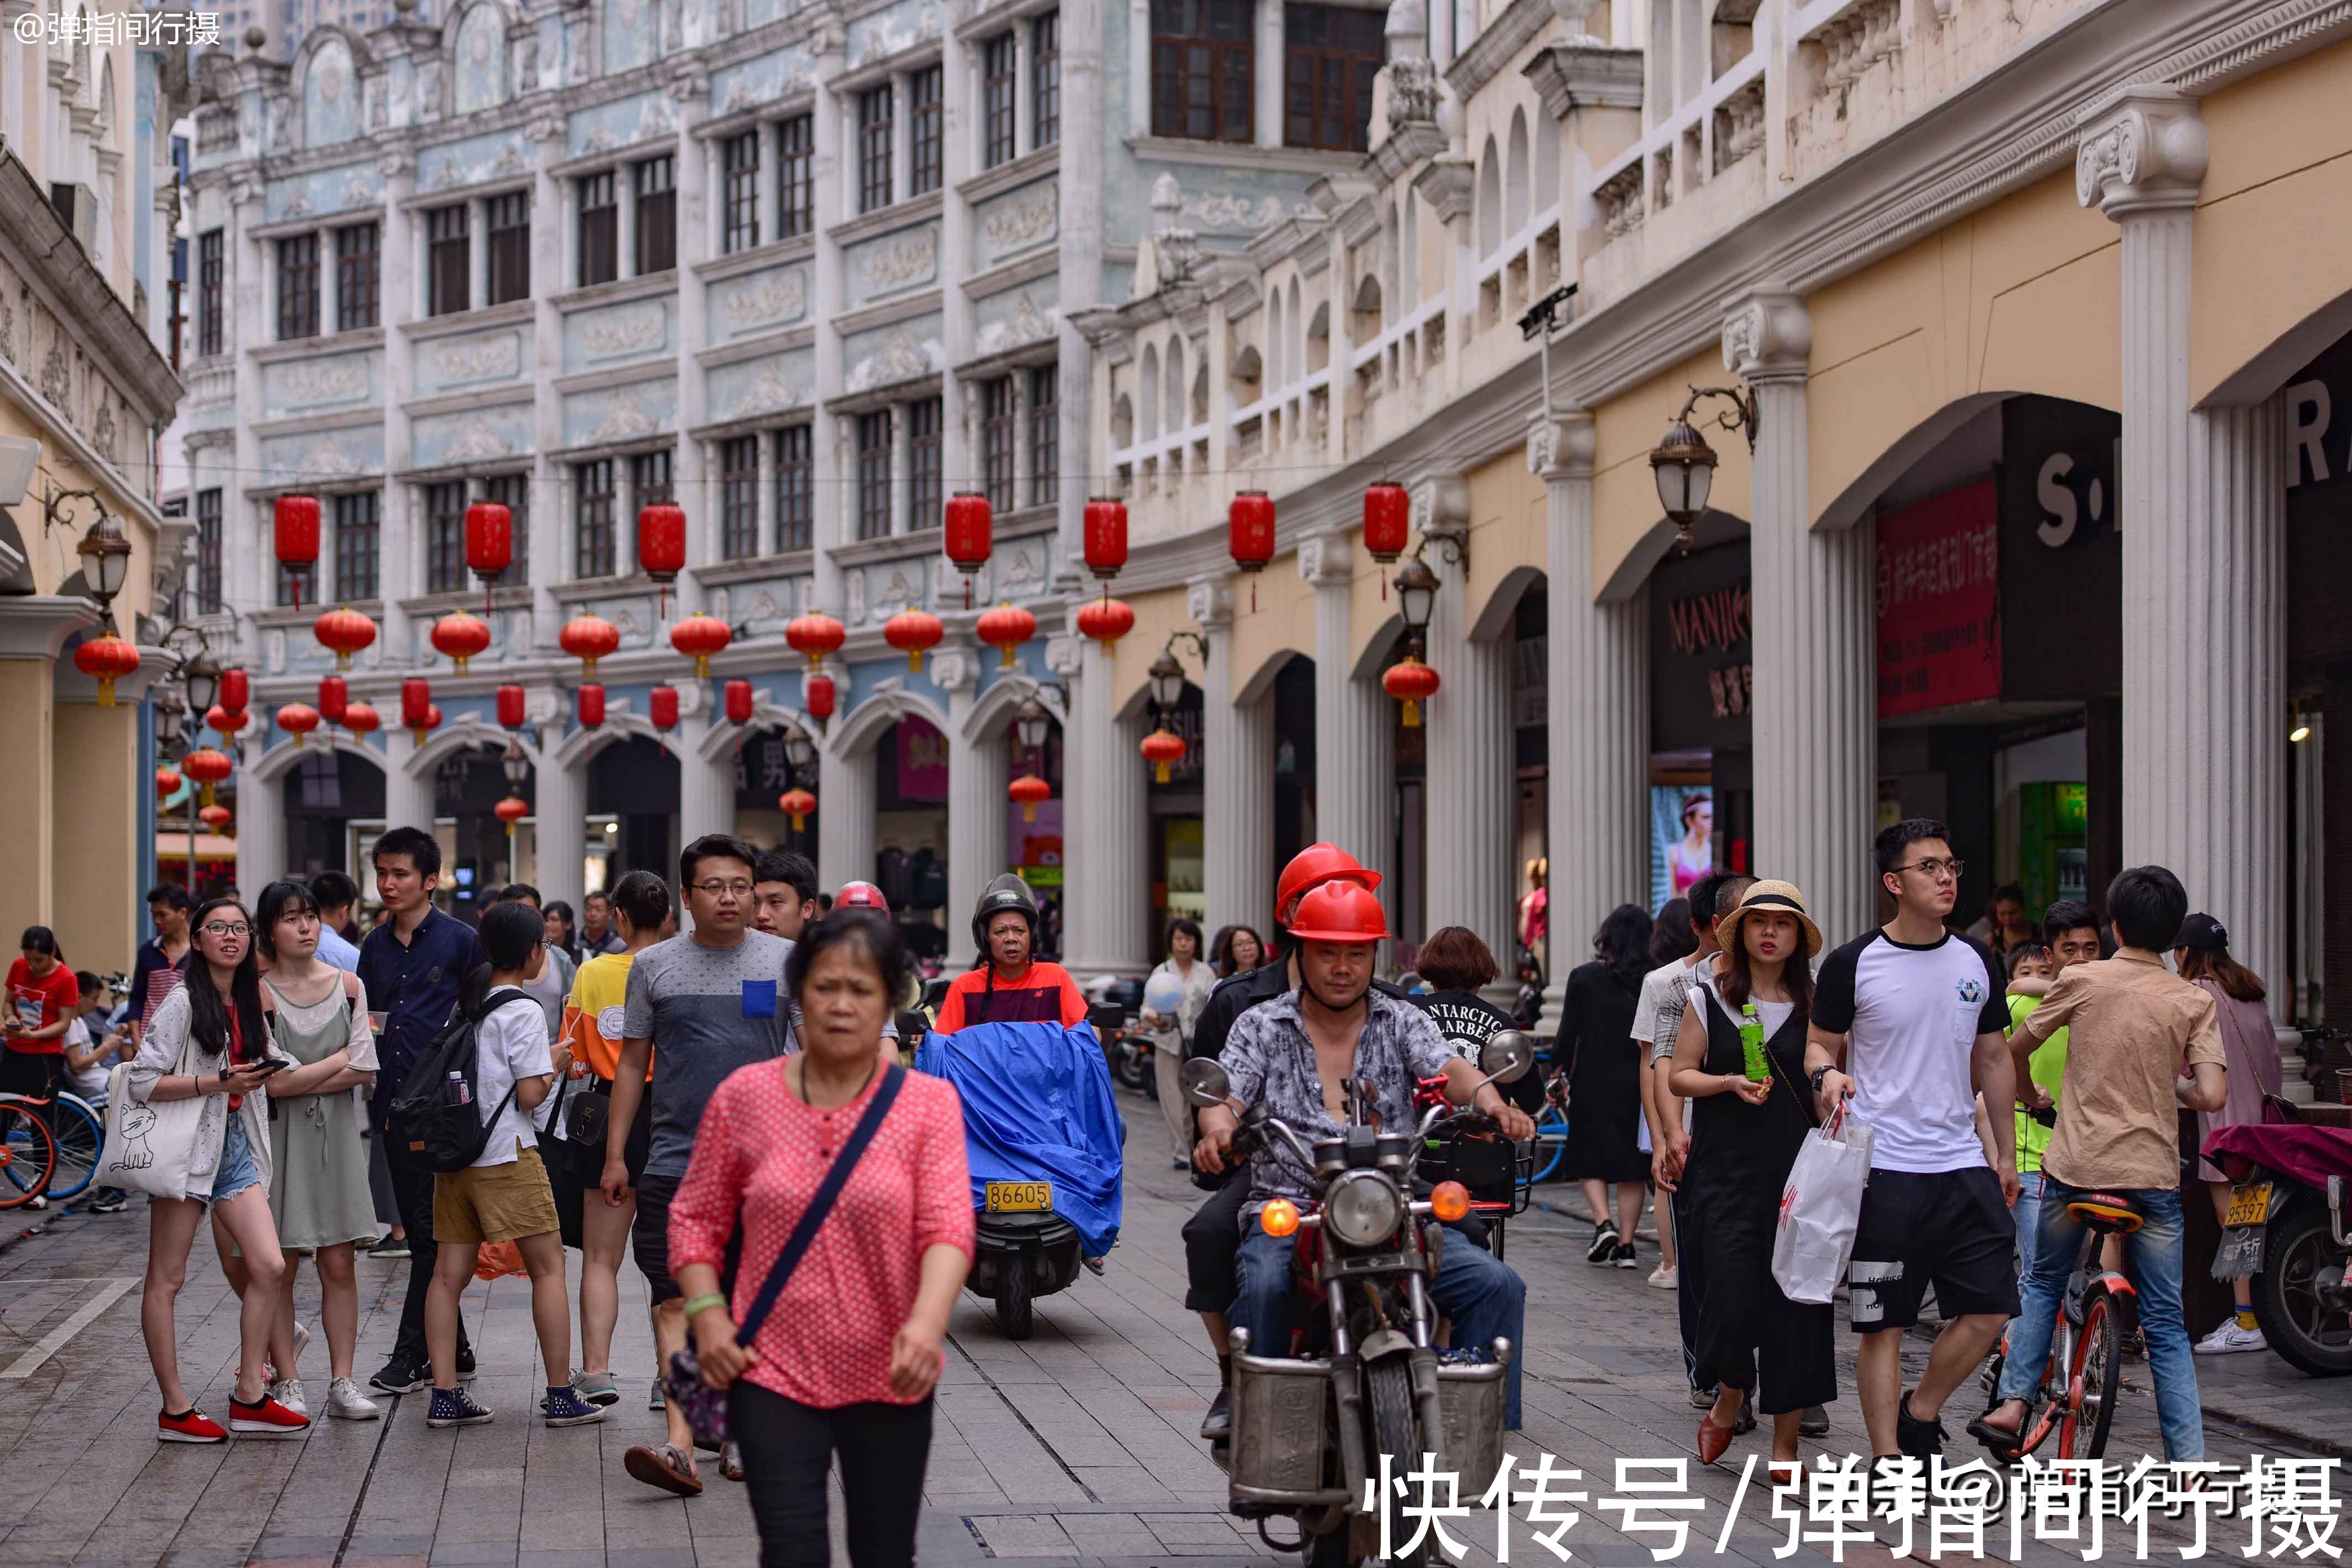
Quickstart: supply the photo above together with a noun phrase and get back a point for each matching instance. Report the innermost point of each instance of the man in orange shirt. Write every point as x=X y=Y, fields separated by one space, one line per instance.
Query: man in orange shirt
x=1008 y=986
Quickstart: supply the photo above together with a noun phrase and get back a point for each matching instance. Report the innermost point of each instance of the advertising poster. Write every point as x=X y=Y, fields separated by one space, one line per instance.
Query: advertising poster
x=1939 y=600
x=1682 y=839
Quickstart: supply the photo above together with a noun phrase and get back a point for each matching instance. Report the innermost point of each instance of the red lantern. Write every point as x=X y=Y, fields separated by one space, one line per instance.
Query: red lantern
x=490 y=542
x=1029 y=790
x=1107 y=620
x=588 y=637
x=1005 y=628
x=1106 y=536
x=738 y=702
x=1163 y=749
x=813 y=636
x=801 y=804
x=511 y=810
x=911 y=632
x=214 y=817
x=344 y=630
x=431 y=721
x=592 y=704
x=1249 y=535
x=661 y=707
x=699 y=637
x=235 y=690
x=661 y=546
x=207 y=767
x=511 y=706
x=416 y=704
x=1388 y=517
x=106 y=660
x=167 y=782
x=362 y=720
x=817 y=695
x=966 y=535
x=295 y=531
x=1412 y=683
x=460 y=636
x=334 y=697
x=229 y=724
x=298 y=719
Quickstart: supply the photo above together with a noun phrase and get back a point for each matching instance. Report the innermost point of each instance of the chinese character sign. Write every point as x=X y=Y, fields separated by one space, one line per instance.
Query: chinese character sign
x=1938 y=602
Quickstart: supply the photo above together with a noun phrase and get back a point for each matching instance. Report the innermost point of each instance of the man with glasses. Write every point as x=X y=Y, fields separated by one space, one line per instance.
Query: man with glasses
x=1909 y=1022
x=712 y=999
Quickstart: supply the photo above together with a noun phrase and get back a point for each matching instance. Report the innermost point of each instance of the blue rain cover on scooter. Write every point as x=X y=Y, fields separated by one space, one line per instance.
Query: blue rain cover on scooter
x=1037 y=1107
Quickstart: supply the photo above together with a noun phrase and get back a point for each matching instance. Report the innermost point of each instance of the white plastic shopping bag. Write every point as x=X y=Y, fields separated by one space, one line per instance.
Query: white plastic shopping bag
x=1820 y=1209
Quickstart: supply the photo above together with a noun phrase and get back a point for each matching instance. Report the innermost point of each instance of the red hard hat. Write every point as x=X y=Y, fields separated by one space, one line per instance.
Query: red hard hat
x=1339 y=911
x=1315 y=866
x=860 y=896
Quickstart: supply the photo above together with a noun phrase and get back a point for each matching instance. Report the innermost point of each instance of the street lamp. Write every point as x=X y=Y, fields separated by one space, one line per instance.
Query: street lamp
x=1166 y=678
x=799 y=750
x=202 y=678
x=169 y=713
x=1682 y=464
x=1416 y=587
x=517 y=766
x=1032 y=724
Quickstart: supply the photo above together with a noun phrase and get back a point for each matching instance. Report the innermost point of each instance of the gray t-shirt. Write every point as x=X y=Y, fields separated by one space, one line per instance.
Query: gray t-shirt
x=709 y=1011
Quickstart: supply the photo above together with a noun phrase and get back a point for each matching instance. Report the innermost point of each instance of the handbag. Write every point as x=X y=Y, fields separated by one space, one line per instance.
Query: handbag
x=1821 y=1210
x=705 y=1407
x=150 y=1143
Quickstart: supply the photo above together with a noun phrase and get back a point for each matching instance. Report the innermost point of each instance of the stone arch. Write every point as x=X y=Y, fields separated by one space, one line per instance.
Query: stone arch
x=1853 y=503
x=1261 y=680
x=859 y=728
x=1294 y=352
x=1392 y=259
x=1122 y=422
x=467 y=734
x=1173 y=401
x=1277 y=368
x=1376 y=649
x=723 y=738
x=1632 y=576
x=327 y=85
x=1493 y=620
x=280 y=759
x=1516 y=175
x=1318 y=338
x=994 y=707
x=577 y=750
x=1408 y=291
x=1548 y=193
x=475 y=43
x=1247 y=375
x=2267 y=370
x=1201 y=389
x=1490 y=199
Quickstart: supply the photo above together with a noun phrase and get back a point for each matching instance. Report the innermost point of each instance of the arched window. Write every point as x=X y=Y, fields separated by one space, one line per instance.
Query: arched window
x=1277 y=373
x=1175 y=402
x=1490 y=200
x=1547 y=191
x=1515 y=174
x=1150 y=392
x=1294 y=357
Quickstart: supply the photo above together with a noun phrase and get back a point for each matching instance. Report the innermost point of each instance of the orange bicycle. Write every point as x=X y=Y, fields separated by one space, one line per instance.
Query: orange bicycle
x=2076 y=1397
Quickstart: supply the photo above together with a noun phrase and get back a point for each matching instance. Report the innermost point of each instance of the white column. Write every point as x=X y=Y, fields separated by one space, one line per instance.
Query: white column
x=554 y=269
x=695 y=472
x=1816 y=698
x=766 y=480
x=1024 y=99
x=1084 y=134
x=478 y=252
x=1354 y=761
x=1472 y=792
x=978 y=772
x=1138 y=61
x=260 y=834
x=706 y=787
x=1107 y=828
x=1237 y=774
x=2204 y=510
x=830 y=501
x=845 y=793
x=771 y=184
x=959 y=159
x=1598 y=721
x=1268 y=75
x=625 y=189
x=562 y=826
x=407 y=796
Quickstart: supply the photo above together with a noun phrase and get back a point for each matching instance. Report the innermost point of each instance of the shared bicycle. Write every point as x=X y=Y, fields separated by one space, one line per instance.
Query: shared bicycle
x=48 y=1147
x=2076 y=1396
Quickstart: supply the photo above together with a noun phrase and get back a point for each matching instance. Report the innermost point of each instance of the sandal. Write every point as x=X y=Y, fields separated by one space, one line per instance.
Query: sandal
x=731 y=1461
x=664 y=1466
x=2006 y=1446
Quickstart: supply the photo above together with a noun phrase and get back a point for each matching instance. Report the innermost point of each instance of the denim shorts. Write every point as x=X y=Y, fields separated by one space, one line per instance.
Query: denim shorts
x=236 y=1170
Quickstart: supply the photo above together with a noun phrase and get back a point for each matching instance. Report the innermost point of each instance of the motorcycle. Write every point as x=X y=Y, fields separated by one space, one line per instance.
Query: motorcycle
x=1498 y=1174
x=2286 y=1226
x=1364 y=1378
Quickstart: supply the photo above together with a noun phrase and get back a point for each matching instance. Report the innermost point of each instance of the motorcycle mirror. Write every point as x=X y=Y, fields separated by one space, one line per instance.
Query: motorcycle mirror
x=1507 y=1058
x=1204 y=1082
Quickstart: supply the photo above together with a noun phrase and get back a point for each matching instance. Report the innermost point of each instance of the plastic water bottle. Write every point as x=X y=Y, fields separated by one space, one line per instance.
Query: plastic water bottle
x=1752 y=1044
x=458 y=1092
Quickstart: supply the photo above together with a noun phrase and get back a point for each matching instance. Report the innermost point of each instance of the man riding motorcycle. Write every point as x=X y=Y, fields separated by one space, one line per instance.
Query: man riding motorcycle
x=1298 y=1055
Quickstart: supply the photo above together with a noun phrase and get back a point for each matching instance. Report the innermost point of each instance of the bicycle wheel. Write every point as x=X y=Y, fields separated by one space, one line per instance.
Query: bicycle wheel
x=2094 y=1378
x=81 y=1131
x=28 y=1155
x=1551 y=1143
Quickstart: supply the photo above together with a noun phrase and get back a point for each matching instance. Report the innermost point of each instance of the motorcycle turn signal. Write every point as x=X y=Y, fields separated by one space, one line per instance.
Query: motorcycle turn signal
x=1450 y=1201
x=1280 y=1217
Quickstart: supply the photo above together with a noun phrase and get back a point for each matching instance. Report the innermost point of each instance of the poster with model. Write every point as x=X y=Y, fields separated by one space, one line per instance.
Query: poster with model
x=1682 y=839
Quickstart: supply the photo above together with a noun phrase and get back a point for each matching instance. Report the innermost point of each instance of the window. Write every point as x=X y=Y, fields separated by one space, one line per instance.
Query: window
x=874 y=133
x=796 y=142
x=997 y=417
x=444 y=537
x=1045 y=80
x=873 y=476
x=595 y=553
x=1045 y=436
x=1201 y=85
x=739 y=157
x=298 y=286
x=509 y=217
x=297 y=584
x=449 y=266
x=210 y=264
x=739 y=497
x=649 y=481
x=796 y=512
x=600 y=229
x=513 y=491
x=208 y=552
x=656 y=215
x=1329 y=54
x=359 y=276
x=924 y=422
x=927 y=150
x=1000 y=67
x=357 y=535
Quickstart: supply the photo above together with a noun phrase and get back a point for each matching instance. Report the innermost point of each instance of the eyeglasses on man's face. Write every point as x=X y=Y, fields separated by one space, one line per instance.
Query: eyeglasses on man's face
x=723 y=889
x=1934 y=870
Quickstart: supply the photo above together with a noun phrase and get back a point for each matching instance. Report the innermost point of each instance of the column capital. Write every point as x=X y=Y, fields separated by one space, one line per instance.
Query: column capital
x=1209 y=600
x=1323 y=560
x=1562 y=447
x=1441 y=505
x=2143 y=150
x=1767 y=336
x=954 y=670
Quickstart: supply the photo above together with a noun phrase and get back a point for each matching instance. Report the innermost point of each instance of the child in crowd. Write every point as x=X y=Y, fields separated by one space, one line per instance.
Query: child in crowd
x=2029 y=963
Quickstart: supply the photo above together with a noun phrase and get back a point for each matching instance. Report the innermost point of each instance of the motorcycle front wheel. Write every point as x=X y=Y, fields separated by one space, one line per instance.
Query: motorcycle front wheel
x=2292 y=1294
x=1394 y=1435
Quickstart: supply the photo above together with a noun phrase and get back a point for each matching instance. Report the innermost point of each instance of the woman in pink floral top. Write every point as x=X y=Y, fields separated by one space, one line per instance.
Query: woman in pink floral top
x=846 y=1360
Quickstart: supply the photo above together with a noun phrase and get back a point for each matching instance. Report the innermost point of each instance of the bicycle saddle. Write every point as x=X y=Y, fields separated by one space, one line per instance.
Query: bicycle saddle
x=2105 y=1211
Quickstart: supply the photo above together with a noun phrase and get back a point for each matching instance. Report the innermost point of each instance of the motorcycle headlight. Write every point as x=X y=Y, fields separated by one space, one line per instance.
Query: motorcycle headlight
x=1362 y=1208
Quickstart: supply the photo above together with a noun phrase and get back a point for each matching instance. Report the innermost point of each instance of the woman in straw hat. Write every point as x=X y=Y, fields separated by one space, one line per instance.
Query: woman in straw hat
x=1749 y=1118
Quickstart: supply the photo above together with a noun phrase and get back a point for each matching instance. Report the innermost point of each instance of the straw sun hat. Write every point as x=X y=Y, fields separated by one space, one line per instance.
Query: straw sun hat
x=1771 y=898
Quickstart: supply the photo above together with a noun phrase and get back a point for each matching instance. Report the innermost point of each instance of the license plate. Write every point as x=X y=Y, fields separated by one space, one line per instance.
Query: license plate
x=2248 y=1206
x=1020 y=1196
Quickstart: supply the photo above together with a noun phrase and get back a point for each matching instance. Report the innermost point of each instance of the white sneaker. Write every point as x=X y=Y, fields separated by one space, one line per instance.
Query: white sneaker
x=345 y=1401
x=2230 y=1338
x=288 y=1393
x=1662 y=1277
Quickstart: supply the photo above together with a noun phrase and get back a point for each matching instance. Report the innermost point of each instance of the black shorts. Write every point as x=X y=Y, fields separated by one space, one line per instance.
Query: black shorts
x=649 y=1235
x=1950 y=1228
x=577 y=1170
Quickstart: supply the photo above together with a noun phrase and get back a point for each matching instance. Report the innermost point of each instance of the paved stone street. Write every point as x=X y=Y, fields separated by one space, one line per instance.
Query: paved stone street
x=1077 y=1446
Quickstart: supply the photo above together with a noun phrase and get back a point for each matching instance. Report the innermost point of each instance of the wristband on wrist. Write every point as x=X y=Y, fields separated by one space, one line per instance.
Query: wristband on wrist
x=697 y=1305
x=1818 y=1074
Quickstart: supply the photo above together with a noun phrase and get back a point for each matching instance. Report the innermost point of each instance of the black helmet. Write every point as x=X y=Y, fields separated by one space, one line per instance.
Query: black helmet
x=1005 y=892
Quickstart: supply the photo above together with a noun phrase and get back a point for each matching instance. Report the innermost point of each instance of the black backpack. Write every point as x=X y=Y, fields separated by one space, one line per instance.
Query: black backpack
x=449 y=1137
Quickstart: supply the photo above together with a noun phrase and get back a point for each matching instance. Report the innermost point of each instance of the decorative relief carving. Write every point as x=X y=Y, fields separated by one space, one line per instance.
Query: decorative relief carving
x=1769 y=335
x=1022 y=221
x=625 y=332
x=1024 y=324
x=901 y=360
x=1229 y=213
x=2149 y=153
x=777 y=296
x=1858 y=39
x=329 y=382
x=1619 y=198
x=1413 y=91
x=478 y=359
x=770 y=393
x=625 y=420
x=900 y=260
x=479 y=443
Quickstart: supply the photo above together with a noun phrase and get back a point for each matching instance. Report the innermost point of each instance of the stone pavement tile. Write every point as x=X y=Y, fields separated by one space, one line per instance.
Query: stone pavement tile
x=390 y=1546
x=1173 y=1529
x=1109 y=1534
x=566 y=1557
x=271 y=1547
x=1025 y=1536
x=416 y=1559
x=473 y=1554
x=1128 y=1483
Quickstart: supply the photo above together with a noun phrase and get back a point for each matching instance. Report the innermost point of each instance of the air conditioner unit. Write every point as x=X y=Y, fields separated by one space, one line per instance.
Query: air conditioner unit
x=78 y=207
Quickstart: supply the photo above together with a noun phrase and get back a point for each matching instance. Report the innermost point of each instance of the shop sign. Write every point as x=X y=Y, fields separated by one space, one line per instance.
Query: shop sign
x=2319 y=510
x=1700 y=626
x=1939 y=601
x=2061 y=566
x=922 y=762
x=762 y=773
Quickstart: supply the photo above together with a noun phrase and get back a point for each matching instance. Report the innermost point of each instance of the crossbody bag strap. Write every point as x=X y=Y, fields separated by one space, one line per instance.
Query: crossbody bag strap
x=797 y=1245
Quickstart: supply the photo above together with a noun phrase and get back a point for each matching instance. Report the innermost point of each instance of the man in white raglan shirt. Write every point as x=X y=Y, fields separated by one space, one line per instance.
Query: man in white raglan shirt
x=1910 y=1022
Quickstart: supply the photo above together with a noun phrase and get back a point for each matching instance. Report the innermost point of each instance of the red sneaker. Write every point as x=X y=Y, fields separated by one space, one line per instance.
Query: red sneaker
x=190 y=1426
x=267 y=1419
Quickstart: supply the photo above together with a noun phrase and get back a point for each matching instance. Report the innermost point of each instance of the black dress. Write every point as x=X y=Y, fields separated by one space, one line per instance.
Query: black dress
x=1604 y=1086
x=1731 y=1188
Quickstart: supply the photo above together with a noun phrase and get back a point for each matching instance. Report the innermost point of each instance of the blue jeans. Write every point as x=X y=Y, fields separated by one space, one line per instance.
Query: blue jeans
x=1484 y=1296
x=2155 y=1258
x=2028 y=1212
